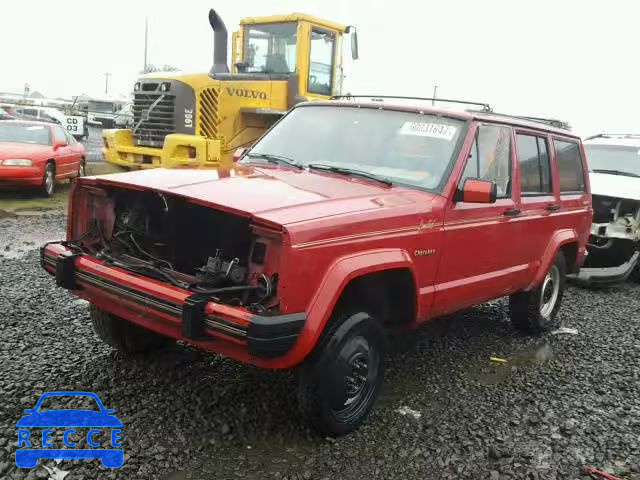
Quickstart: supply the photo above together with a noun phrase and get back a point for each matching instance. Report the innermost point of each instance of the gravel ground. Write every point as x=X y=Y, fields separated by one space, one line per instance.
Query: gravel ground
x=561 y=401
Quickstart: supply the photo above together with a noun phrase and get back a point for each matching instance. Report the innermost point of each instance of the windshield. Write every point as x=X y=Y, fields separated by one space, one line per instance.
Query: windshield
x=271 y=48
x=403 y=147
x=613 y=157
x=24 y=133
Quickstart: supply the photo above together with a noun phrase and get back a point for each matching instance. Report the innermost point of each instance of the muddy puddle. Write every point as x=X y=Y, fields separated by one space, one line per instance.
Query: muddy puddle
x=500 y=368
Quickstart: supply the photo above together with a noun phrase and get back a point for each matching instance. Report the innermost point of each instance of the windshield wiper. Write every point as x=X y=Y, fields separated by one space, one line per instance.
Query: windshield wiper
x=276 y=159
x=349 y=171
x=615 y=172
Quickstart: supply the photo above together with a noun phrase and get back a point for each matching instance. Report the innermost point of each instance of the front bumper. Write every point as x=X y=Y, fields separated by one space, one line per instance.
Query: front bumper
x=21 y=175
x=172 y=311
x=605 y=276
x=178 y=150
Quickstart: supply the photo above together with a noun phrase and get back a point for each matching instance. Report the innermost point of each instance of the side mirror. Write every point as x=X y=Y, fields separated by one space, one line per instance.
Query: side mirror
x=59 y=144
x=478 y=191
x=354 y=41
x=239 y=153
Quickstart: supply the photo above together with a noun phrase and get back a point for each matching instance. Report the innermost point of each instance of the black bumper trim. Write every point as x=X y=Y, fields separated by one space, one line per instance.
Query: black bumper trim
x=270 y=337
x=193 y=317
x=605 y=276
x=66 y=271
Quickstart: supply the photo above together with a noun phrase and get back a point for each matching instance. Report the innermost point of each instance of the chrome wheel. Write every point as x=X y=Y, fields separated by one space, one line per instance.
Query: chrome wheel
x=550 y=292
x=48 y=180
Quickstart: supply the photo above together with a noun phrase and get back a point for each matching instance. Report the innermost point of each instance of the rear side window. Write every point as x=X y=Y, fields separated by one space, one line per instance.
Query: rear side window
x=533 y=158
x=490 y=158
x=569 y=166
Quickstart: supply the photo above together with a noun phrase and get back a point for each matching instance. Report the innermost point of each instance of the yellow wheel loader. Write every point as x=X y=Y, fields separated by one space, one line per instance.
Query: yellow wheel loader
x=200 y=120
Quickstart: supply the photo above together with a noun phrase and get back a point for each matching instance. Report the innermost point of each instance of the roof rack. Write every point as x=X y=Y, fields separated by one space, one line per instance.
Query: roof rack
x=549 y=121
x=485 y=106
x=612 y=135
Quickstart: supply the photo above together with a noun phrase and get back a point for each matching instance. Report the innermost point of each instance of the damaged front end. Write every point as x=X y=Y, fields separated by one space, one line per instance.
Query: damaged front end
x=614 y=243
x=183 y=269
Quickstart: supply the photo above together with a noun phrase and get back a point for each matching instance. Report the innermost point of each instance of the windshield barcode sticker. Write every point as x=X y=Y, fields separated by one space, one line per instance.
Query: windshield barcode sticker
x=435 y=130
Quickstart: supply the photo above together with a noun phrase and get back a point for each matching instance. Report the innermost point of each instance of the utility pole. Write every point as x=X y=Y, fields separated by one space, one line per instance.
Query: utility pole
x=435 y=92
x=146 y=41
x=106 y=83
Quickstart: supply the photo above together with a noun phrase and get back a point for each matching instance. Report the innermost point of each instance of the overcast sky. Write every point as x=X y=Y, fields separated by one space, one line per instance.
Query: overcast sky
x=575 y=60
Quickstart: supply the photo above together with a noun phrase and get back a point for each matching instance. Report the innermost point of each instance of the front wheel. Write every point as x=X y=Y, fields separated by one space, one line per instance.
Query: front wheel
x=535 y=311
x=341 y=381
x=48 y=180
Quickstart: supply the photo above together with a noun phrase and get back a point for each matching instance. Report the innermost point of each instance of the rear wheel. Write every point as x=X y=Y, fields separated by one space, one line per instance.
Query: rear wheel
x=535 y=311
x=82 y=168
x=125 y=336
x=48 y=180
x=341 y=381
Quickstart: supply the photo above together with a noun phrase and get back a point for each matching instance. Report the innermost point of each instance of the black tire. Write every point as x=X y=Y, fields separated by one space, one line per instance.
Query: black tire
x=125 y=336
x=341 y=380
x=535 y=311
x=48 y=180
x=635 y=274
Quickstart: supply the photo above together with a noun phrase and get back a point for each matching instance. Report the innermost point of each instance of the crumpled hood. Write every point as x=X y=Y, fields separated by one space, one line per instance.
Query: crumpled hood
x=281 y=196
x=617 y=186
x=21 y=150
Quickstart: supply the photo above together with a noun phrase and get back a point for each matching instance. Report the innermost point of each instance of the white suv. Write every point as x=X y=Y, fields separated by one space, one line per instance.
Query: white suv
x=614 y=173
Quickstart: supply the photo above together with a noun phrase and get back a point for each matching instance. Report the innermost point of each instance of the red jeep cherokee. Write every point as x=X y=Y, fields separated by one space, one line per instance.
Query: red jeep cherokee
x=347 y=218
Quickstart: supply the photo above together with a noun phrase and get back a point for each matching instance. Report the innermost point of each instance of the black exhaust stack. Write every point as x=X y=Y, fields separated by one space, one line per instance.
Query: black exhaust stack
x=219 y=43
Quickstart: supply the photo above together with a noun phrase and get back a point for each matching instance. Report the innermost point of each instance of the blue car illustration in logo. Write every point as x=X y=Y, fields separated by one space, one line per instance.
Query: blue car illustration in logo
x=101 y=423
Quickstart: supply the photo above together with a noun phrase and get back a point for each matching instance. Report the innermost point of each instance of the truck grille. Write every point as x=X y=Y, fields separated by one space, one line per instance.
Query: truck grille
x=209 y=119
x=153 y=124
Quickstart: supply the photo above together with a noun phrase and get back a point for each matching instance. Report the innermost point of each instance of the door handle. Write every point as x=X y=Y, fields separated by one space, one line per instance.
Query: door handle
x=512 y=212
x=552 y=208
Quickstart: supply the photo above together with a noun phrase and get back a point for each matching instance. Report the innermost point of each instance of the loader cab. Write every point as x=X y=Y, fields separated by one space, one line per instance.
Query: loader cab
x=303 y=49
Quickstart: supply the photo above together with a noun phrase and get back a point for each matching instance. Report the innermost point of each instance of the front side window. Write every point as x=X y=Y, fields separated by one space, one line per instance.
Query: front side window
x=271 y=48
x=25 y=133
x=533 y=158
x=403 y=147
x=321 y=62
x=490 y=158
x=569 y=166
x=59 y=135
x=614 y=159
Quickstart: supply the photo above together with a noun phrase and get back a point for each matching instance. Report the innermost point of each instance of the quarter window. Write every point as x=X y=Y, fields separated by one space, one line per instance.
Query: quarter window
x=533 y=158
x=569 y=166
x=321 y=62
x=490 y=158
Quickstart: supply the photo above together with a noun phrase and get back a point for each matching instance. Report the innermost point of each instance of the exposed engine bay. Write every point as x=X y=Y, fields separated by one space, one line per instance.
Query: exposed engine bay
x=191 y=246
x=615 y=231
